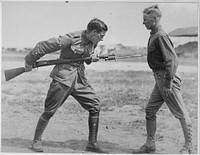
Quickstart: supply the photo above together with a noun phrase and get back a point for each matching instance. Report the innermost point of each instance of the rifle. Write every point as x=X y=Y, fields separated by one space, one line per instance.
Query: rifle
x=12 y=73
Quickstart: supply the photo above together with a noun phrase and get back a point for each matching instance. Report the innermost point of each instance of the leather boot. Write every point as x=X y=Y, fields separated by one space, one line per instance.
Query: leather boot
x=92 y=145
x=187 y=131
x=149 y=146
x=37 y=145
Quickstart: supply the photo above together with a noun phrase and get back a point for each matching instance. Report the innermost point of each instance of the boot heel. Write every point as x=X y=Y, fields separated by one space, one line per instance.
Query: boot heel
x=144 y=149
x=93 y=147
x=152 y=152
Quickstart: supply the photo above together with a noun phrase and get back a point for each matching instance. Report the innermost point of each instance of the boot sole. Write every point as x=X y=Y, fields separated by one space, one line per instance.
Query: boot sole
x=152 y=152
x=144 y=152
x=95 y=150
x=36 y=150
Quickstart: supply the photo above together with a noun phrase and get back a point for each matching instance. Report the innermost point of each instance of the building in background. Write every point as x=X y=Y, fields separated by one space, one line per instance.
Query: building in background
x=185 y=41
x=181 y=36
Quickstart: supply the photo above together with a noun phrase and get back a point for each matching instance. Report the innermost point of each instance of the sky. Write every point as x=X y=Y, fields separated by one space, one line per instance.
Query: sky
x=25 y=23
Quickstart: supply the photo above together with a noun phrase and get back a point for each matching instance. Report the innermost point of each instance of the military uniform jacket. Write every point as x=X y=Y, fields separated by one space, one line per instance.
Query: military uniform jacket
x=161 y=55
x=73 y=45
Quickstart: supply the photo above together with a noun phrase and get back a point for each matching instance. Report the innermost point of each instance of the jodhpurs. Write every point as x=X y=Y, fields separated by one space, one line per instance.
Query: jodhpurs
x=174 y=101
x=58 y=93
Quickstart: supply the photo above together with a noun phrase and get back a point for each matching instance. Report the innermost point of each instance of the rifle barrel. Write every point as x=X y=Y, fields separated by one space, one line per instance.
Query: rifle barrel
x=129 y=56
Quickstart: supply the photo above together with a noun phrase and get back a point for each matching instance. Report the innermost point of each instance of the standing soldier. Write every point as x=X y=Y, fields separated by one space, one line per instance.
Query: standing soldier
x=69 y=79
x=163 y=61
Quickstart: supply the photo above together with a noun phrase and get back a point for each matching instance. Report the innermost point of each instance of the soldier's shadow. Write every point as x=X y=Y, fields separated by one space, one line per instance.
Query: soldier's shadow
x=69 y=146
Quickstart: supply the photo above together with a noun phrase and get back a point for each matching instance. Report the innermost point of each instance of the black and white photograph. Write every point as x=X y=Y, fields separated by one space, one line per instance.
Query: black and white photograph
x=109 y=77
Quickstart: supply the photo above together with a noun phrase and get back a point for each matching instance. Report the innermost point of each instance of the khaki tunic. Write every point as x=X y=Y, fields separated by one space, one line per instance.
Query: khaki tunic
x=72 y=45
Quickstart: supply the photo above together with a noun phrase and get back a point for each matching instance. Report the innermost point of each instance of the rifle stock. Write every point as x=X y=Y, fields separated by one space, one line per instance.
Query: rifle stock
x=12 y=73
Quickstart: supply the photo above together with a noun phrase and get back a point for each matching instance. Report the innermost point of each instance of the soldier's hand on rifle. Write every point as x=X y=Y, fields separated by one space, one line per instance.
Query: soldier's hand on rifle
x=28 y=67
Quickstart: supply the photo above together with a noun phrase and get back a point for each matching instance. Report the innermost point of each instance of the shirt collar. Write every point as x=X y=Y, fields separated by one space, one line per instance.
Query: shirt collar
x=84 y=37
x=158 y=28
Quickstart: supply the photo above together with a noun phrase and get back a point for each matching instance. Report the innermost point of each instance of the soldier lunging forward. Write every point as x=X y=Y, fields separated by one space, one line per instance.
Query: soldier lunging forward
x=69 y=79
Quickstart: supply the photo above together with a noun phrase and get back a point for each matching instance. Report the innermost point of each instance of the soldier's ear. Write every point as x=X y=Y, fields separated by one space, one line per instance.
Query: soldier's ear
x=94 y=32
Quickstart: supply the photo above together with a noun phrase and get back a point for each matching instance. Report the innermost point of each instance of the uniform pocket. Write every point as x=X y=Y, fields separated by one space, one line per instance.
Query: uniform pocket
x=65 y=67
x=78 y=49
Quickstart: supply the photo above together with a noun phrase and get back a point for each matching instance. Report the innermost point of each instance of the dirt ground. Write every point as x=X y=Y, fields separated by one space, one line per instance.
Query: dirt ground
x=121 y=128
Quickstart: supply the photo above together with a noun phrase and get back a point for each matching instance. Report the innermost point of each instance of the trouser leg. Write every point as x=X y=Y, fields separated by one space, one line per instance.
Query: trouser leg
x=151 y=109
x=88 y=99
x=56 y=96
x=176 y=105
